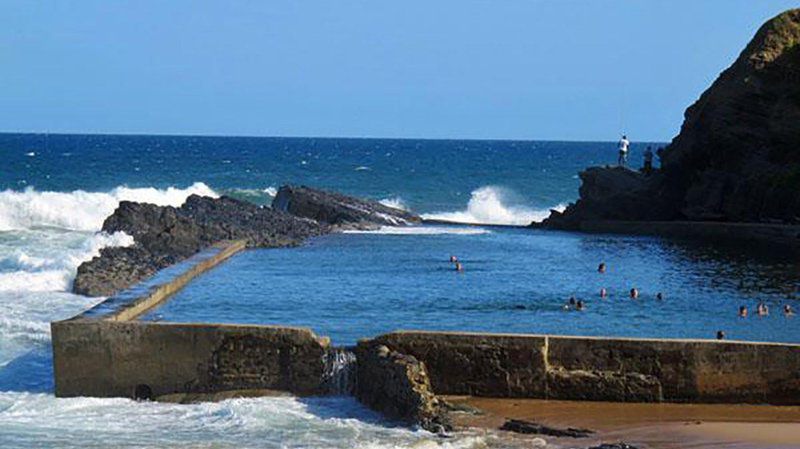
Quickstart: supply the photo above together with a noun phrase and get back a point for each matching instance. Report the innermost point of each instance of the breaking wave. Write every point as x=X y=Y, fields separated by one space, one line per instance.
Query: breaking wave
x=80 y=210
x=489 y=205
x=39 y=273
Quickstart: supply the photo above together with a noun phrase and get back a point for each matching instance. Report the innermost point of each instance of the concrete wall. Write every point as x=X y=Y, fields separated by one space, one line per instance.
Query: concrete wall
x=108 y=358
x=105 y=352
x=586 y=368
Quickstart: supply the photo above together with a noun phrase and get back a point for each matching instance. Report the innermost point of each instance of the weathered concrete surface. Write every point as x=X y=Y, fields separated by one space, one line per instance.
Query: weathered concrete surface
x=477 y=364
x=130 y=359
x=397 y=385
x=608 y=369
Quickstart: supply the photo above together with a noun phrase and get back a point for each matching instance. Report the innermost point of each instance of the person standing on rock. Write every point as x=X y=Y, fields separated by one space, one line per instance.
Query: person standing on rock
x=624 y=143
x=648 y=161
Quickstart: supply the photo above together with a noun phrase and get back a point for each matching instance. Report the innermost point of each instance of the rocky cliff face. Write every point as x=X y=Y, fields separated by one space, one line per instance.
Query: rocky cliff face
x=737 y=157
x=166 y=235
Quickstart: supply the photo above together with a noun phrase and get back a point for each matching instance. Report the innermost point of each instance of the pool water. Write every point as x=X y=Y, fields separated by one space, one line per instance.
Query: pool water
x=351 y=286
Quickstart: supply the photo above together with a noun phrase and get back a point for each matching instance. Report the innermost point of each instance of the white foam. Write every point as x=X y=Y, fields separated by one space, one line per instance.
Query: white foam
x=487 y=205
x=40 y=274
x=395 y=202
x=38 y=420
x=423 y=230
x=271 y=191
x=81 y=210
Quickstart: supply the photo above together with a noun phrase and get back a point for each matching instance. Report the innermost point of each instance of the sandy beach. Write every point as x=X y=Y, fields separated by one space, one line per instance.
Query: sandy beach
x=655 y=426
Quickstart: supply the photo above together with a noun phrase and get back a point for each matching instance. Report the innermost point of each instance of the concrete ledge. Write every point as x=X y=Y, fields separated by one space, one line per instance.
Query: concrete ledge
x=130 y=303
x=146 y=360
x=607 y=369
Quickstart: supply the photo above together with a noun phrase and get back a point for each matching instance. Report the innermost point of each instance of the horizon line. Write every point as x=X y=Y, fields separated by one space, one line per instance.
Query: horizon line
x=252 y=136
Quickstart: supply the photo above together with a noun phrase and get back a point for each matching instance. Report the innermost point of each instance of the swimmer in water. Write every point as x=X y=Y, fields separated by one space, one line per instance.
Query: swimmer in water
x=603 y=293
x=634 y=293
x=579 y=306
x=601 y=268
x=742 y=312
x=762 y=309
x=659 y=296
x=453 y=259
x=459 y=267
x=720 y=335
x=571 y=303
x=787 y=310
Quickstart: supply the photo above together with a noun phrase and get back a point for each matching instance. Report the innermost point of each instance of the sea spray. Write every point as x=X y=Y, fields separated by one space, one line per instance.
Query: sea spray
x=395 y=202
x=80 y=210
x=339 y=374
x=490 y=205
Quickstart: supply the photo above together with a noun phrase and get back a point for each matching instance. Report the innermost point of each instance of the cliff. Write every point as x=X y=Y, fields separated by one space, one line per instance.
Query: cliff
x=737 y=156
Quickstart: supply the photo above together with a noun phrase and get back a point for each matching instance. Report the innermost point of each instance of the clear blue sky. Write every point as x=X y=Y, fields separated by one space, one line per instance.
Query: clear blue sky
x=564 y=70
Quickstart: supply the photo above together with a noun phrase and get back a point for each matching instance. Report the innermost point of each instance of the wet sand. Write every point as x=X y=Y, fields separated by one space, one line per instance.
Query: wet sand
x=655 y=426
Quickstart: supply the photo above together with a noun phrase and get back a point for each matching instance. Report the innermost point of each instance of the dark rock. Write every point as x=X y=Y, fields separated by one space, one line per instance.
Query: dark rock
x=737 y=156
x=398 y=386
x=339 y=210
x=614 y=446
x=532 y=428
x=166 y=235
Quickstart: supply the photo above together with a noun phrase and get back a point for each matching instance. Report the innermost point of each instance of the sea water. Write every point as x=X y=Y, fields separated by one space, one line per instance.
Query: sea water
x=57 y=189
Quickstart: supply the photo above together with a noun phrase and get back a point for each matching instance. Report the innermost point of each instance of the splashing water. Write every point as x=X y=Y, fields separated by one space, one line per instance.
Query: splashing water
x=488 y=205
x=339 y=376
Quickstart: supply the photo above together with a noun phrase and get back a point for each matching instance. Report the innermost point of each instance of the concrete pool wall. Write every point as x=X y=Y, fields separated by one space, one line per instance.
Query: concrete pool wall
x=106 y=352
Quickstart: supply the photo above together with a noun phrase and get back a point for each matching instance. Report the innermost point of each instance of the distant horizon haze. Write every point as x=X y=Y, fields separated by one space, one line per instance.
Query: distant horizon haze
x=542 y=70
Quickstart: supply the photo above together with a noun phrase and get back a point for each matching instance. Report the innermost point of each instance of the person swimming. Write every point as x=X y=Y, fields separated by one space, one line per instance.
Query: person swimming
x=579 y=306
x=572 y=303
x=787 y=310
x=659 y=296
x=720 y=335
x=459 y=267
x=603 y=293
x=634 y=293
x=601 y=268
x=453 y=259
x=762 y=309
x=742 y=312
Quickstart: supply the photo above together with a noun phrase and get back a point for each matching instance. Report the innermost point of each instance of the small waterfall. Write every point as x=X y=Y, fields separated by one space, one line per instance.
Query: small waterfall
x=339 y=377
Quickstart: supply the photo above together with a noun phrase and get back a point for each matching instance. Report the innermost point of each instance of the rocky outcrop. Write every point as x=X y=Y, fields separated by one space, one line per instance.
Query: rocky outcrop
x=737 y=157
x=338 y=210
x=166 y=235
x=397 y=385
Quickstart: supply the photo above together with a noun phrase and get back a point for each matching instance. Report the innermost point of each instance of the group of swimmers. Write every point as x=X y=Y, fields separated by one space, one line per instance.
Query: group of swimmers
x=577 y=304
x=763 y=310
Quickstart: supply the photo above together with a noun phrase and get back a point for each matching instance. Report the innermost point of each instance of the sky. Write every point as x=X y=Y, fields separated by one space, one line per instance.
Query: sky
x=501 y=69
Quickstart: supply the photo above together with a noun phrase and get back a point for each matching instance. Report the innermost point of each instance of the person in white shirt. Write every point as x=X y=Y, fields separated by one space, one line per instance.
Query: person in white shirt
x=624 y=143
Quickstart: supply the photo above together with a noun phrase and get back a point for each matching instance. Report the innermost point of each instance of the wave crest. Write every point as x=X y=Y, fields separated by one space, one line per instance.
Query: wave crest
x=488 y=205
x=80 y=210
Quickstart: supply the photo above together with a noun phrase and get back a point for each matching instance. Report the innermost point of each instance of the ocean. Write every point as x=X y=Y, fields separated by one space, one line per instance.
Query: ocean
x=57 y=190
